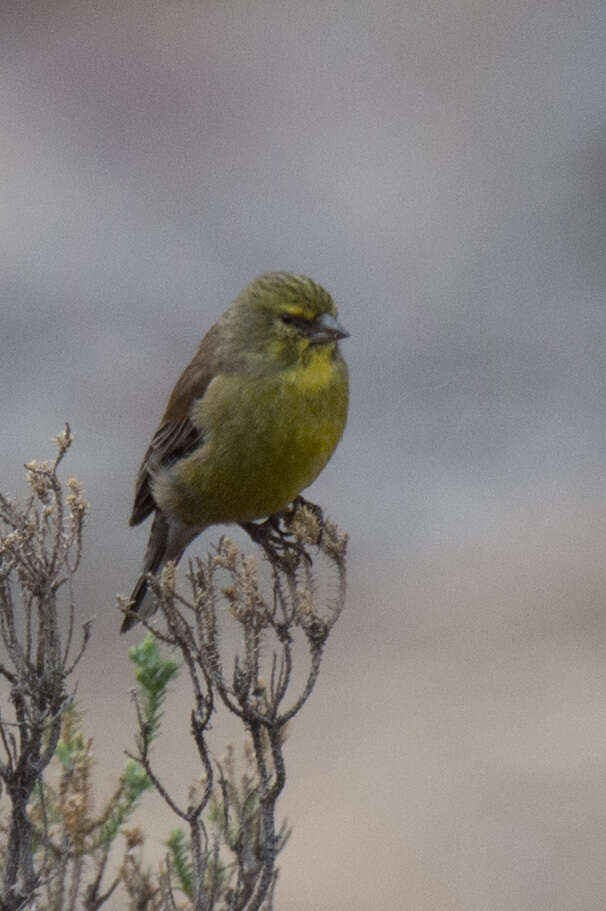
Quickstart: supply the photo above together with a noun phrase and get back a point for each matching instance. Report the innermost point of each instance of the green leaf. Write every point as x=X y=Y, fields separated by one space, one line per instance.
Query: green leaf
x=180 y=858
x=153 y=674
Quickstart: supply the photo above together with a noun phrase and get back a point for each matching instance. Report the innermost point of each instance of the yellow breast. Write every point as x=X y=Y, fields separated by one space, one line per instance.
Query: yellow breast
x=265 y=439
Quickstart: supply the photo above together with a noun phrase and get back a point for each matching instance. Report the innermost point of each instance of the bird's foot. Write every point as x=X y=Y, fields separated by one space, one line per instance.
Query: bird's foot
x=274 y=538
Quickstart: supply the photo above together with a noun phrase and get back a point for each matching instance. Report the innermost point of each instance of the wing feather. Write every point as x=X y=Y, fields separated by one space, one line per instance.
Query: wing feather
x=176 y=436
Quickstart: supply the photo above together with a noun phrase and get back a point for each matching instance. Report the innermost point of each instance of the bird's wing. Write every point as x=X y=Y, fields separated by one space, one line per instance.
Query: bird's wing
x=176 y=435
x=171 y=441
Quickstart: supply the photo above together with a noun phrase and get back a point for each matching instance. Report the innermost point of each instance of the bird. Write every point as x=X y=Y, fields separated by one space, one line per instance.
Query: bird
x=251 y=422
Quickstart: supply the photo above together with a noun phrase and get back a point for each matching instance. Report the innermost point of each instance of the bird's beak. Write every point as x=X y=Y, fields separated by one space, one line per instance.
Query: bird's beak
x=326 y=328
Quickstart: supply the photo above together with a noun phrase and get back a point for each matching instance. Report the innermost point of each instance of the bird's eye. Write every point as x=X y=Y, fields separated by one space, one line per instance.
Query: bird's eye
x=287 y=318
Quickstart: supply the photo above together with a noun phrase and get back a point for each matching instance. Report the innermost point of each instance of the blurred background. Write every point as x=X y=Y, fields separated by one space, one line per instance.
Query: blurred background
x=441 y=169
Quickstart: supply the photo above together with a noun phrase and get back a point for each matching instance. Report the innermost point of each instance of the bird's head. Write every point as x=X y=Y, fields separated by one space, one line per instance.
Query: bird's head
x=285 y=318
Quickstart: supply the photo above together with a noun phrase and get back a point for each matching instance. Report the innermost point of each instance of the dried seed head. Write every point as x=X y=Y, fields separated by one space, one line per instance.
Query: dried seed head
x=39 y=477
x=63 y=440
x=134 y=836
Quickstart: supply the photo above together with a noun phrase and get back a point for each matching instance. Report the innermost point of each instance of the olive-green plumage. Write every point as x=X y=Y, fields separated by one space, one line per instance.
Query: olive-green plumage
x=251 y=422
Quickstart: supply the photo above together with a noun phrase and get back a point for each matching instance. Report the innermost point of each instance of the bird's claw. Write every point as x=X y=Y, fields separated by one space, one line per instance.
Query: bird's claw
x=273 y=538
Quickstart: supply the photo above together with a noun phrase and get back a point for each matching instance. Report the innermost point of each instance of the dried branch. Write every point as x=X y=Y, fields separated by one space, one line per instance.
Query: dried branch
x=237 y=871
x=40 y=547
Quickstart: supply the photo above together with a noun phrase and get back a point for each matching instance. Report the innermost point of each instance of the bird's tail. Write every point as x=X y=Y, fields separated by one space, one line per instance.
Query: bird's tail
x=167 y=541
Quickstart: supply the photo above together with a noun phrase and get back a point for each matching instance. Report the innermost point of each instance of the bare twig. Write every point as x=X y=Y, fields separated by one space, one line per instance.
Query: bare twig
x=36 y=545
x=226 y=586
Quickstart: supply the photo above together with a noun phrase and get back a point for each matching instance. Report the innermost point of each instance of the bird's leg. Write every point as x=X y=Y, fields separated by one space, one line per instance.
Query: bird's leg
x=273 y=538
x=267 y=532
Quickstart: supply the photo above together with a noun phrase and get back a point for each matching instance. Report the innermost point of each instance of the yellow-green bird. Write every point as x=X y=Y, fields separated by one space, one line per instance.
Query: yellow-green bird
x=251 y=422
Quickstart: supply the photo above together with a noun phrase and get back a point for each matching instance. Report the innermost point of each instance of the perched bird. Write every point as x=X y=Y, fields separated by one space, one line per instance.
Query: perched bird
x=252 y=421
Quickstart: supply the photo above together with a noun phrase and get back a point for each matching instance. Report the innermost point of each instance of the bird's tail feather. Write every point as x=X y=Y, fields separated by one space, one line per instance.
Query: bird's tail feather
x=167 y=541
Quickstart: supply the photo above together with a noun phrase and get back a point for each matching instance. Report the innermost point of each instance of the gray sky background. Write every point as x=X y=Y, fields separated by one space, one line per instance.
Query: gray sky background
x=441 y=169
